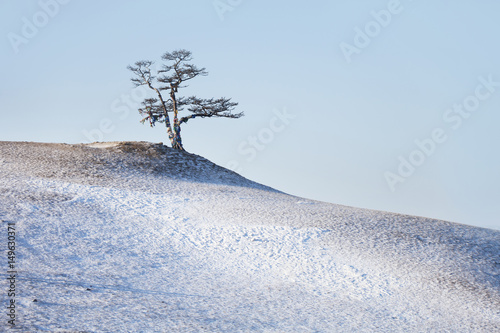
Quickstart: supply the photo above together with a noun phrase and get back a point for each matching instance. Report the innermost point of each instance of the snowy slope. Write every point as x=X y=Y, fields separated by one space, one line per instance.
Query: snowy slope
x=136 y=237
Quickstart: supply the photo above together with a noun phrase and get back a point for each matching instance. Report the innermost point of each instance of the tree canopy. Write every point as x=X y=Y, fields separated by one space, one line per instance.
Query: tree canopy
x=165 y=83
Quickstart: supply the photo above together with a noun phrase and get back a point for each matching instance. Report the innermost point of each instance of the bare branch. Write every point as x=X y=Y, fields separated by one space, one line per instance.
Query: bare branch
x=221 y=107
x=180 y=71
x=152 y=111
x=142 y=70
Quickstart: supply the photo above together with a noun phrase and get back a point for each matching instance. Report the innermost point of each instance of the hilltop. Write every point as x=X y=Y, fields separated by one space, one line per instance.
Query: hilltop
x=135 y=236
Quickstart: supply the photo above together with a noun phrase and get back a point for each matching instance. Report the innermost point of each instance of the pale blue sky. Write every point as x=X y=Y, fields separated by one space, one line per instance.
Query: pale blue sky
x=354 y=115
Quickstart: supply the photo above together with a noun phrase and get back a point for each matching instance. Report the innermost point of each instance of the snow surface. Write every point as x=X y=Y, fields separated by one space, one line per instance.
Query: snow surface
x=137 y=237
x=103 y=144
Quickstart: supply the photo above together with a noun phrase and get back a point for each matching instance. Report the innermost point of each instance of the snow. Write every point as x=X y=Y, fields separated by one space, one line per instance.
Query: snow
x=137 y=237
x=103 y=145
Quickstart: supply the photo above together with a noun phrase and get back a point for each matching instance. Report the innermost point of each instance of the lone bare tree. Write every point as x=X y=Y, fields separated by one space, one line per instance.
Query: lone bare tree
x=170 y=78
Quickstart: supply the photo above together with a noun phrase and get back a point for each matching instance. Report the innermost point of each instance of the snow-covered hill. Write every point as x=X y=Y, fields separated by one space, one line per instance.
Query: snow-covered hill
x=136 y=237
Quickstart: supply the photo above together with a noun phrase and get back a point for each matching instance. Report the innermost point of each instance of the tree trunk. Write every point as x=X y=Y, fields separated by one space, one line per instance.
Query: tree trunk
x=177 y=140
x=171 y=135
